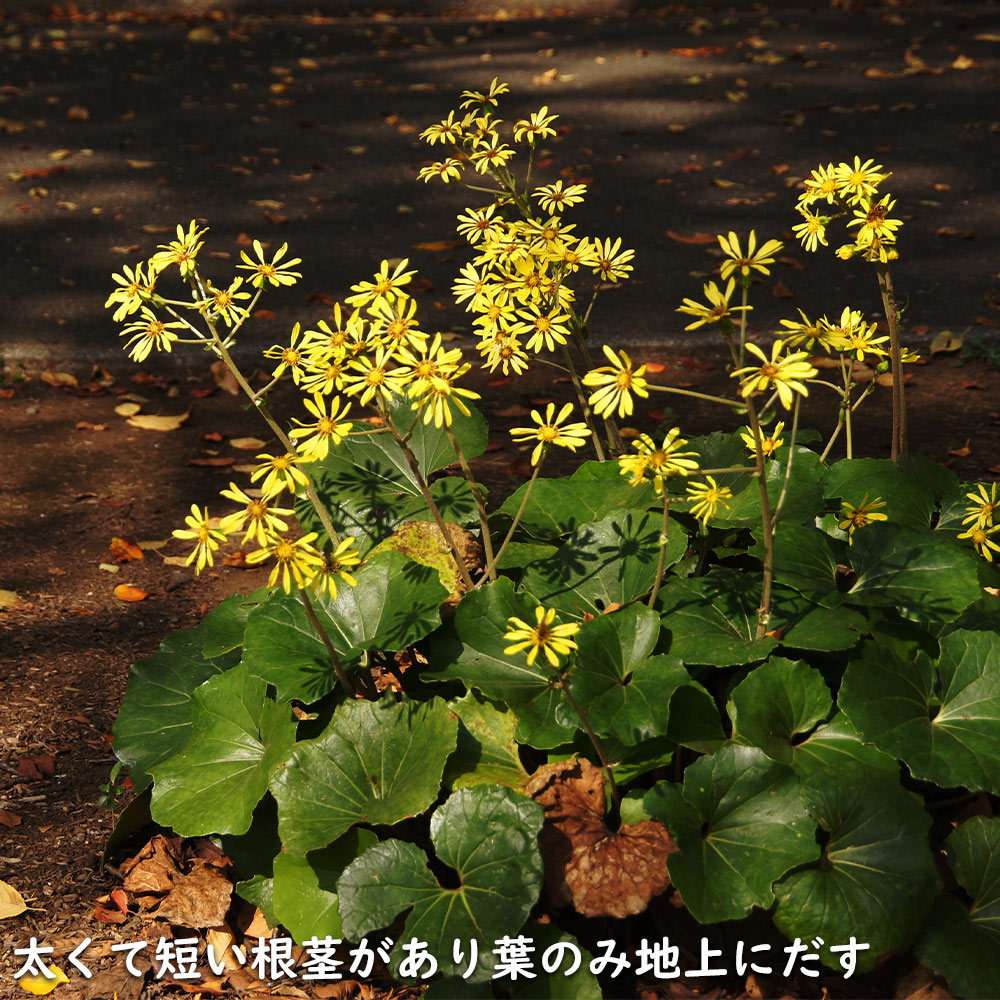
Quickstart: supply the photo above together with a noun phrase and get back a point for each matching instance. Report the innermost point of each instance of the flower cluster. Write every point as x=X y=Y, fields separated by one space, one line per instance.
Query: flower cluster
x=852 y=189
x=981 y=516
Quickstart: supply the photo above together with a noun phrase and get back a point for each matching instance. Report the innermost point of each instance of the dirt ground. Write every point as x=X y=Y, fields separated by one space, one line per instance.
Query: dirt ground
x=78 y=475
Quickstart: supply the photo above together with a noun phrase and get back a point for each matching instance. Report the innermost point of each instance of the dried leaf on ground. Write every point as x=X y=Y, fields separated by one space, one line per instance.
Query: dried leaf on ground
x=224 y=378
x=126 y=592
x=602 y=872
x=151 y=873
x=41 y=986
x=8 y=598
x=695 y=239
x=36 y=767
x=125 y=550
x=11 y=901
x=158 y=423
x=198 y=899
x=7 y=818
x=127 y=409
x=58 y=378
x=247 y=444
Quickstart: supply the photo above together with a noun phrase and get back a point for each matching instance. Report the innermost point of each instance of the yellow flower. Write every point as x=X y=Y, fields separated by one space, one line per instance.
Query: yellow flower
x=753 y=260
x=445 y=170
x=337 y=563
x=853 y=336
x=981 y=538
x=181 y=251
x=395 y=325
x=149 y=332
x=813 y=230
x=822 y=184
x=439 y=392
x=383 y=288
x=492 y=154
x=707 y=497
x=327 y=428
x=505 y=352
x=294 y=560
x=984 y=507
x=787 y=374
x=265 y=273
x=207 y=537
x=290 y=356
x=768 y=445
x=447 y=131
x=612 y=261
x=371 y=377
x=551 y=431
x=718 y=308
x=616 y=382
x=258 y=518
x=133 y=289
x=547 y=329
x=280 y=473
x=535 y=128
x=487 y=100
x=477 y=224
x=553 y=640
x=857 y=517
x=554 y=197
x=807 y=334
x=656 y=463
x=860 y=180
x=223 y=303
x=875 y=228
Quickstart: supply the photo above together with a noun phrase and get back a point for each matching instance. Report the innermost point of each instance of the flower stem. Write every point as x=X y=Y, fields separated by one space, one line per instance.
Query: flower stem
x=662 y=561
x=491 y=566
x=764 y=611
x=480 y=503
x=587 y=414
x=338 y=667
x=900 y=445
x=788 y=468
x=731 y=403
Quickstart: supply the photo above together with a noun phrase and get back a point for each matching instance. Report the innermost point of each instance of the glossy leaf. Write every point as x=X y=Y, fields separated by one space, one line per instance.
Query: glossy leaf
x=909 y=501
x=487 y=752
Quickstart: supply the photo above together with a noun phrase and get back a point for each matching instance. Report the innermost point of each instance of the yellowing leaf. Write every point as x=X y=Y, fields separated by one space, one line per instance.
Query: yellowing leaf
x=127 y=409
x=11 y=901
x=40 y=986
x=945 y=342
x=158 y=423
x=8 y=598
x=58 y=378
x=247 y=444
x=126 y=592
x=436 y=246
x=125 y=550
x=141 y=164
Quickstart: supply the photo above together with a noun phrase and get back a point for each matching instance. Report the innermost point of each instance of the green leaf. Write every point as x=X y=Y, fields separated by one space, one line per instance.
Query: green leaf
x=305 y=888
x=694 y=719
x=488 y=836
x=963 y=944
x=238 y=738
x=223 y=627
x=561 y=506
x=739 y=824
x=253 y=852
x=259 y=892
x=909 y=500
x=876 y=877
x=155 y=718
x=775 y=702
x=626 y=692
x=944 y=722
x=579 y=985
x=815 y=628
x=834 y=745
x=803 y=500
x=607 y=563
x=376 y=762
x=931 y=577
x=804 y=559
x=713 y=619
x=487 y=752
x=395 y=603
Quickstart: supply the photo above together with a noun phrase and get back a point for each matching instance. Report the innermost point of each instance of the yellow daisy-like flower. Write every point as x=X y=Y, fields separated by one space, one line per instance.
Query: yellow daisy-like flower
x=984 y=506
x=371 y=376
x=439 y=393
x=133 y=290
x=265 y=273
x=813 y=231
x=257 y=516
x=546 y=329
x=538 y=126
x=487 y=99
x=477 y=224
x=612 y=261
x=506 y=352
x=290 y=357
x=808 y=334
x=857 y=517
x=875 y=227
x=821 y=185
x=981 y=538
x=707 y=496
x=181 y=251
x=200 y=530
x=551 y=431
x=492 y=154
x=336 y=564
x=768 y=445
x=395 y=325
x=445 y=170
x=555 y=198
x=148 y=331
x=328 y=427
x=853 y=336
x=616 y=383
x=296 y=561
x=224 y=303
x=718 y=308
x=383 y=288
x=280 y=473
x=860 y=180
x=656 y=462
x=552 y=640
x=446 y=131
x=753 y=260
x=786 y=374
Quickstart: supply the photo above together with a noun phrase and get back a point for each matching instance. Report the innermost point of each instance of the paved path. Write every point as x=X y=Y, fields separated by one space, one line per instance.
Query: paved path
x=298 y=128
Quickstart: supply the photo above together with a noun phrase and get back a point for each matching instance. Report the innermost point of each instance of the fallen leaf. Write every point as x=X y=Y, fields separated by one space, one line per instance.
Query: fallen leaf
x=127 y=409
x=224 y=378
x=960 y=452
x=126 y=592
x=141 y=164
x=436 y=246
x=58 y=378
x=11 y=901
x=247 y=444
x=724 y=184
x=8 y=598
x=109 y=567
x=203 y=35
x=78 y=113
x=700 y=52
x=218 y=462
x=154 y=229
x=695 y=239
x=7 y=818
x=781 y=290
x=964 y=62
x=654 y=367
x=125 y=550
x=109 y=914
x=86 y=425
x=158 y=423
x=945 y=342
x=198 y=899
x=41 y=986
x=514 y=410
x=962 y=234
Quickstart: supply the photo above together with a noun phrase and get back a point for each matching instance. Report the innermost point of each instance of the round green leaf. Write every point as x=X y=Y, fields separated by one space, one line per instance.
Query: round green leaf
x=238 y=737
x=740 y=825
x=803 y=497
x=305 y=888
x=804 y=559
x=487 y=752
x=223 y=627
x=376 y=762
x=154 y=722
x=963 y=943
x=833 y=745
x=488 y=836
x=943 y=721
x=775 y=702
x=876 y=877
x=908 y=499
x=608 y=563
